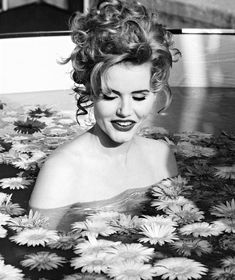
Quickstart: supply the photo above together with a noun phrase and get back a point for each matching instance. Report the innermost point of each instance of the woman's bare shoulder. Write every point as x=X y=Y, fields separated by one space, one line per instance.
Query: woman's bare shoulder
x=57 y=177
x=160 y=155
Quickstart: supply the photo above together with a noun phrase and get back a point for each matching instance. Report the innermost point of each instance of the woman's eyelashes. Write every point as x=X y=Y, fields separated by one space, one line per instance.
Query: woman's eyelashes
x=114 y=96
x=109 y=97
x=139 y=98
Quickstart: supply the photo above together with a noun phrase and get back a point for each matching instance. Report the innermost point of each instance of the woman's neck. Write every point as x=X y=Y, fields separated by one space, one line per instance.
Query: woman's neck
x=106 y=145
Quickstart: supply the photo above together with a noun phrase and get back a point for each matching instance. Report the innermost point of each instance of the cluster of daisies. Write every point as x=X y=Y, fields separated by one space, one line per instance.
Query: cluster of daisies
x=98 y=249
x=190 y=233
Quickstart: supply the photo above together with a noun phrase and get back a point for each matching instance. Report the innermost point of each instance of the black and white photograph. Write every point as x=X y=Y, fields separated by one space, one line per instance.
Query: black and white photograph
x=117 y=139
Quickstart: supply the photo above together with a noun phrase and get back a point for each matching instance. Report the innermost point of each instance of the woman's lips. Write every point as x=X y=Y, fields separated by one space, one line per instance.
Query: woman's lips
x=123 y=125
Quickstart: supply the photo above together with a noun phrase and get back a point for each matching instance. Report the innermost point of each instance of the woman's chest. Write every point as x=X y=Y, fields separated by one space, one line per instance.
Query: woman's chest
x=103 y=180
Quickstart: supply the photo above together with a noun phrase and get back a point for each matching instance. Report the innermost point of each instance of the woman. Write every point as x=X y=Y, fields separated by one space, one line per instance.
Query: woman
x=121 y=63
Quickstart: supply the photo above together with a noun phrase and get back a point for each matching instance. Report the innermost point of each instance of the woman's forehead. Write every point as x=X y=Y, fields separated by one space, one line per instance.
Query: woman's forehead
x=129 y=76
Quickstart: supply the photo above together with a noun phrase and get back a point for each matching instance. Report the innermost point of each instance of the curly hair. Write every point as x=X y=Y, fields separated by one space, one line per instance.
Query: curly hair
x=116 y=31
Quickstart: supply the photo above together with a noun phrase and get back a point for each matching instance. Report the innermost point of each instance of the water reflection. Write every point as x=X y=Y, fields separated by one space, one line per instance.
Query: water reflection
x=209 y=110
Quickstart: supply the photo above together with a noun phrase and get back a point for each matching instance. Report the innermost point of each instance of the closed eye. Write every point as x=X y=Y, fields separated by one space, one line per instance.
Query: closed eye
x=108 y=97
x=141 y=98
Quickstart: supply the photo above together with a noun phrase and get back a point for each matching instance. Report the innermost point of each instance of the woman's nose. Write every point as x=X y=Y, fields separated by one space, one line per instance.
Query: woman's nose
x=125 y=108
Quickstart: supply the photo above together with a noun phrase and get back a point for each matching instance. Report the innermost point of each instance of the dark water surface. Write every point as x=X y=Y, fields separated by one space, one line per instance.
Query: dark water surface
x=209 y=110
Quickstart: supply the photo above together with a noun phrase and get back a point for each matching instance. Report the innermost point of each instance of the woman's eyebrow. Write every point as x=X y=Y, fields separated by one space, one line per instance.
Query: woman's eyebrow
x=135 y=91
x=140 y=91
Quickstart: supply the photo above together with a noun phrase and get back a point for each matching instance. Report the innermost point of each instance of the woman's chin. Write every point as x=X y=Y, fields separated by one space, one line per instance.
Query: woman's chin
x=121 y=138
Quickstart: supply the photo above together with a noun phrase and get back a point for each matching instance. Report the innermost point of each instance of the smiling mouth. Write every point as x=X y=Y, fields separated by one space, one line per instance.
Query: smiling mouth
x=123 y=125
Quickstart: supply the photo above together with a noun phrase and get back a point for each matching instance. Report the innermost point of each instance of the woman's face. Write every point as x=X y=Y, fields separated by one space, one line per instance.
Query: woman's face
x=120 y=113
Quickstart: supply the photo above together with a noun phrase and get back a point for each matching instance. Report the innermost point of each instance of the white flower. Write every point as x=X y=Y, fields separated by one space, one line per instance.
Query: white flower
x=159 y=219
x=125 y=222
x=186 y=247
x=9 y=272
x=3 y=232
x=4 y=218
x=227 y=225
x=65 y=241
x=185 y=214
x=32 y=220
x=162 y=204
x=224 y=273
x=93 y=228
x=180 y=269
x=226 y=210
x=201 y=229
x=171 y=188
x=15 y=183
x=42 y=261
x=131 y=271
x=94 y=246
x=217 y=227
x=189 y=150
x=37 y=155
x=7 y=207
x=130 y=252
x=226 y=172
x=3 y=197
x=228 y=262
x=158 y=234
x=91 y=263
x=35 y=237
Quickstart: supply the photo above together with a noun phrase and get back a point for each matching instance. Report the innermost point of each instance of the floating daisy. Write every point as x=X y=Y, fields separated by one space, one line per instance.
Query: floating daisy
x=93 y=228
x=32 y=220
x=202 y=229
x=180 y=269
x=3 y=198
x=187 y=149
x=15 y=183
x=130 y=252
x=163 y=204
x=9 y=272
x=224 y=273
x=23 y=163
x=22 y=147
x=171 y=187
x=158 y=234
x=94 y=246
x=227 y=224
x=225 y=172
x=131 y=271
x=125 y=223
x=188 y=246
x=185 y=214
x=29 y=126
x=39 y=112
x=35 y=237
x=65 y=241
x=12 y=209
x=228 y=262
x=158 y=219
x=43 y=261
x=226 y=210
x=91 y=263
x=4 y=218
